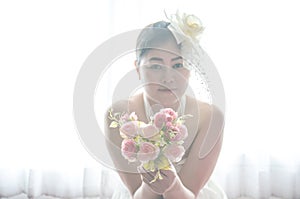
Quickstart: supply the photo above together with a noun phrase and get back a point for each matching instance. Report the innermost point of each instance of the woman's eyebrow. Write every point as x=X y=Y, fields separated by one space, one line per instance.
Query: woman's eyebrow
x=160 y=59
x=156 y=59
x=176 y=58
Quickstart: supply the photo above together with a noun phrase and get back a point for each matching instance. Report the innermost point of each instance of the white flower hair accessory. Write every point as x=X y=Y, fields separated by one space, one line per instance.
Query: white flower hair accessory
x=187 y=29
x=185 y=24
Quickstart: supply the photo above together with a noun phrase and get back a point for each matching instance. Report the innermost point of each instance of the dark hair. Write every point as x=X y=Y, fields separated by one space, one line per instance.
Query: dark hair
x=152 y=36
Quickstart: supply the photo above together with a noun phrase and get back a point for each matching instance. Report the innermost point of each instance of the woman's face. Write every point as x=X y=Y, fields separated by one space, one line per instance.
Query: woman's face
x=163 y=74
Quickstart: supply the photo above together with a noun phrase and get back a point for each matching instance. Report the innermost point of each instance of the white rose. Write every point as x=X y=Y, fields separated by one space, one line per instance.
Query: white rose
x=187 y=29
x=192 y=25
x=189 y=24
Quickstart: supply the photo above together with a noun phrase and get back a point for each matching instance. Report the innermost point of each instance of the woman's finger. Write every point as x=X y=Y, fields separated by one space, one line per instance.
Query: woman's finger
x=148 y=176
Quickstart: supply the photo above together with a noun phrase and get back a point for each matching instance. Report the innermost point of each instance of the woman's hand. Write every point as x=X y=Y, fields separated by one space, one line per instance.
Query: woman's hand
x=159 y=186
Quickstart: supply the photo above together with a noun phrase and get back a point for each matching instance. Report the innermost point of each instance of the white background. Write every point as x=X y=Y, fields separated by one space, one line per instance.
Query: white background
x=254 y=45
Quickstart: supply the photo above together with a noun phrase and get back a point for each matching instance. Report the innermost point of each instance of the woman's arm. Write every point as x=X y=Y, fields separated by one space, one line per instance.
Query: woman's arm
x=145 y=192
x=169 y=186
x=127 y=171
x=178 y=190
x=196 y=171
x=192 y=180
x=211 y=123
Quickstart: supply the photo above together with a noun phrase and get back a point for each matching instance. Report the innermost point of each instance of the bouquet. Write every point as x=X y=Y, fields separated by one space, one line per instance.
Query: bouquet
x=154 y=144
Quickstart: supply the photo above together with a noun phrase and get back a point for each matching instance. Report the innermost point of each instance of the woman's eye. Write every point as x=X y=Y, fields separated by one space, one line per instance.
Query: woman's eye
x=178 y=65
x=155 y=66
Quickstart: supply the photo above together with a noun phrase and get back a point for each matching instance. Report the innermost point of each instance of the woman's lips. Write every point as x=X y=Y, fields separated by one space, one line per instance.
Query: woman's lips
x=167 y=90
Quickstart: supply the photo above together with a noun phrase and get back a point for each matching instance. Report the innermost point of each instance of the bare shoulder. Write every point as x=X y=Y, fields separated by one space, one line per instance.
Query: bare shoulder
x=119 y=106
x=122 y=107
x=127 y=105
x=204 y=110
x=112 y=133
x=209 y=112
x=126 y=171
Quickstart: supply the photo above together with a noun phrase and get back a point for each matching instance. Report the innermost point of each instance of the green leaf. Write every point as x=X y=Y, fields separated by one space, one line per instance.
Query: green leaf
x=159 y=175
x=149 y=166
x=110 y=112
x=162 y=162
x=113 y=124
x=117 y=115
x=184 y=117
x=180 y=142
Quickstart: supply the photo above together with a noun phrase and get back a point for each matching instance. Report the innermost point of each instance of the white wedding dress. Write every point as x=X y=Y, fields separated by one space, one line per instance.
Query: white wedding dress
x=210 y=191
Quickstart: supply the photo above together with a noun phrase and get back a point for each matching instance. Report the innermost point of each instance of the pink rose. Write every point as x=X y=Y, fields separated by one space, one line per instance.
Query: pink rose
x=159 y=120
x=169 y=125
x=171 y=132
x=169 y=118
x=175 y=128
x=129 y=129
x=149 y=131
x=148 y=151
x=172 y=115
x=124 y=118
x=174 y=152
x=180 y=134
x=129 y=149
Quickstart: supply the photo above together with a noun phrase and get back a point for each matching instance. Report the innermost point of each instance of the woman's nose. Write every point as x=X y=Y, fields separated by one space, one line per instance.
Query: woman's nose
x=168 y=76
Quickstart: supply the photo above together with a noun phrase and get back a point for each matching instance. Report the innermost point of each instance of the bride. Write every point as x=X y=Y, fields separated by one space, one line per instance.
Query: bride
x=162 y=66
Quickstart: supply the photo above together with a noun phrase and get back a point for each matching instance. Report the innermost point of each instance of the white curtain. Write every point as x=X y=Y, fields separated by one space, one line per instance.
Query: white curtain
x=58 y=183
x=258 y=176
x=254 y=45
